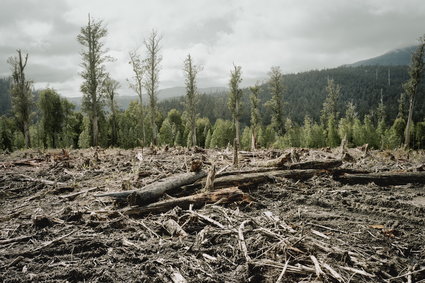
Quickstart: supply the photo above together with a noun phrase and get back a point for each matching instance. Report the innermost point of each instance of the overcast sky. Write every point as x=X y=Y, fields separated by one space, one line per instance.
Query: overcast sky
x=297 y=35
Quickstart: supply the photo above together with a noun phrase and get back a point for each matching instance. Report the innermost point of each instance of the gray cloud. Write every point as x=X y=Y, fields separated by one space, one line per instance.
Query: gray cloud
x=296 y=35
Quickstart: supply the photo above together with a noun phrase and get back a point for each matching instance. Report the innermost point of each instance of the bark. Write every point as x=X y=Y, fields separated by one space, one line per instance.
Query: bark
x=383 y=179
x=154 y=191
x=409 y=122
x=278 y=162
x=250 y=179
x=223 y=196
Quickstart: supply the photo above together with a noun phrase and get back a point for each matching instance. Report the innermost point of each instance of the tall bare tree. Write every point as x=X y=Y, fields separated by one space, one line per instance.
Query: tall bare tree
x=235 y=96
x=276 y=102
x=152 y=65
x=416 y=70
x=94 y=73
x=22 y=98
x=191 y=71
x=137 y=85
x=110 y=87
x=255 y=114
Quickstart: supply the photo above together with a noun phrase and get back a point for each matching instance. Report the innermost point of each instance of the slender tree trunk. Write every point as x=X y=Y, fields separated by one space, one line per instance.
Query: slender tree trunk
x=95 y=128
x=193 y=132
x=253 y=139
x=409 y=122
x=27 y=135
x=142 y=122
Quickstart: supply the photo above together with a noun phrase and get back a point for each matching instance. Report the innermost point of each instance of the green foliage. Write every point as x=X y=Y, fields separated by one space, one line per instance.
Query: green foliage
x=266 y=136
x=203 y=126
x=166 y=136
x=235 y=96
x=420 y=135
x=208 y=139
x=130 y=132
x=276 y=101
x=191 y=71
x=416 y=71
x=246 y=139
x=6 y=133
x=22 y=97
x=84 y=139
x=332 y=138
x=93 y=73
x=223 y=134
x=330 y=105
x=52 y=116
x=5 y=98
x=152 y=68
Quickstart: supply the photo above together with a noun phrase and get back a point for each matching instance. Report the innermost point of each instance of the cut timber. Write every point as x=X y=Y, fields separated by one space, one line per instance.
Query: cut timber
x=249 y=179
x=154 y=191
x=227 y=195
x=314 y=164
x=278 y=162
x=383 y=179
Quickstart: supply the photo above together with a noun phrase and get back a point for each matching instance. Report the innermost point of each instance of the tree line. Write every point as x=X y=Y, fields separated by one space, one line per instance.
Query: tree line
x=258 y=116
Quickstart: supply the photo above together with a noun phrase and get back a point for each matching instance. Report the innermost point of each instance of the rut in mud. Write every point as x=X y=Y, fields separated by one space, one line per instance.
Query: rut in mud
x=54 y=228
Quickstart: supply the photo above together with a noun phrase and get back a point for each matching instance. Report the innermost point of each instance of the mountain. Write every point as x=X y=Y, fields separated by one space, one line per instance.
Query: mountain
x=397 y=57
x=163 y=94
x=180 y=91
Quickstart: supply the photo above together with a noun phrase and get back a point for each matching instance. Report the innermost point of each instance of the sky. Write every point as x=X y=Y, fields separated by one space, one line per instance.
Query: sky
x=297 y=35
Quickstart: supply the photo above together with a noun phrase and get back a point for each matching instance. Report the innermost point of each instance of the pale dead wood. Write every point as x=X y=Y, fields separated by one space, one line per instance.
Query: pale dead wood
x=242 y=241
x=154 y=191
x=224 y=196
x=278 y=162
x=383 y=179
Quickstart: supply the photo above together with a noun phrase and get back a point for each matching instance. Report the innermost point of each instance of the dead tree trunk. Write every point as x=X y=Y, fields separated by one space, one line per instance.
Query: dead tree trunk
x=383 y=179
x=154 y=191
x=223 y=196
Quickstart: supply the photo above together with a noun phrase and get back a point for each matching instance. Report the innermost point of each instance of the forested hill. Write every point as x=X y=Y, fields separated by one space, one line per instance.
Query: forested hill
x=305 y=93
x=397 y=57
x=5 y=103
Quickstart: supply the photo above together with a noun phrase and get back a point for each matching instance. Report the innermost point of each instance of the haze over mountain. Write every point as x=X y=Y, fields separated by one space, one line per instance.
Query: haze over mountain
x=397 y=57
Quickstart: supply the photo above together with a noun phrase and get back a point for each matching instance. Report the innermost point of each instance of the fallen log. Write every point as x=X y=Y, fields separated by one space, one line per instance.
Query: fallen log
x=383 y=179
x=277 y=162
x=314 y=164
x=154 y=191
x=328 y=164
x=250 y=179
x=227 y=195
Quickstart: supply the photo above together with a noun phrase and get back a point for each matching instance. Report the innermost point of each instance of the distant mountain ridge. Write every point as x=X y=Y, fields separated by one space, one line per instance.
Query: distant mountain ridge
x=124 y=100
x=397 y=57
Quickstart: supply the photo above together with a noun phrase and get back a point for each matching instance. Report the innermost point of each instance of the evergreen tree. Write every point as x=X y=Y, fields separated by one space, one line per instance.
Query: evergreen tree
x=246 y=139
x=166 y=136
x=276 y=102
x=330 y=104
x=416 y=70
x=191 y=71
x=208 y=139
x=332 y=138
x=223 y=134
x=235 y=96
x=22 y=96
x=110 y=87
x=93 y=74
x=52 y=115
x=137 y=85
x=152 y=68
x=255 y=114
x=6 y=133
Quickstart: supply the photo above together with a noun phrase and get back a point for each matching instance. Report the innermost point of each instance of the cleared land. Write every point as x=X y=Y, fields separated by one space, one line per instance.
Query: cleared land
x=323 y=224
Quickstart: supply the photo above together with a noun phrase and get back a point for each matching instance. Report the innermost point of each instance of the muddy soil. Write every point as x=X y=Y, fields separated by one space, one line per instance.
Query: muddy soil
x=53 y=227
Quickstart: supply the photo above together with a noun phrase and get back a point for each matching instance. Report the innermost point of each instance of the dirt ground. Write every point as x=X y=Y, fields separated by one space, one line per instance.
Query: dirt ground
x=54 y=227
